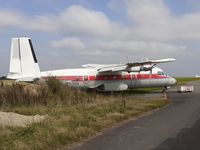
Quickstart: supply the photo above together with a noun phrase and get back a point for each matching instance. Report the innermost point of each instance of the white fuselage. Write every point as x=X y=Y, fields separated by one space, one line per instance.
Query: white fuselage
x=118 y=81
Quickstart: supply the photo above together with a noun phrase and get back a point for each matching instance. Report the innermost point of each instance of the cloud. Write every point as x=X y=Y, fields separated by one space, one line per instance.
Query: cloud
x=151 y=30
x=75 y=20
x=187 y=26
x=11 y=18
x=69 y=43
x=117 y=48
x=145 y=12
x=150 y=21
x=153 y=20
x=140 y=47
x=79 y=20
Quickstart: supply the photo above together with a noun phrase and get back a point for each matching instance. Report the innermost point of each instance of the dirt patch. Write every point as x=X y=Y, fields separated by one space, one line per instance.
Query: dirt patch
x=17 y=120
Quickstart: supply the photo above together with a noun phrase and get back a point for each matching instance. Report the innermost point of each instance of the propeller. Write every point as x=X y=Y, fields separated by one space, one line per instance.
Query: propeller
x=150 y=73
x=151 y=70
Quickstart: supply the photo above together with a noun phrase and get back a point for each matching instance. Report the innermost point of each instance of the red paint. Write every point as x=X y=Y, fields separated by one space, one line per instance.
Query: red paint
x=112 y=77
x=152 y=76
x=77 y=78
x=92 y=78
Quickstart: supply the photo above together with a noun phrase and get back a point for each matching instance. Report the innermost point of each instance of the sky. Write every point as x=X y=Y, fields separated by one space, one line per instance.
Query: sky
x=70 y=33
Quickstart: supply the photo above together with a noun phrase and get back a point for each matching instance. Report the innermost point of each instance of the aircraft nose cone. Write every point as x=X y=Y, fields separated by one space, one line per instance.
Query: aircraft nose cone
x=172 y=81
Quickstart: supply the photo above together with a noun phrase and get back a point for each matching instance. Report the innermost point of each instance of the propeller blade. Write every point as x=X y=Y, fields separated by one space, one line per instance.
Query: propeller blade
x=151 y=72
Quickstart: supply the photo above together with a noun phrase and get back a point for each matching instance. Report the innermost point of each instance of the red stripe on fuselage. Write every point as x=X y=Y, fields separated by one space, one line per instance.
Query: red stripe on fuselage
x=112 y=77
x=129 y=77
x=152 y=76
x=78 y=78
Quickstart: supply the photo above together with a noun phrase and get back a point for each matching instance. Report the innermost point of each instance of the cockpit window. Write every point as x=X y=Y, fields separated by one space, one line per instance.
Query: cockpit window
x=160 y=73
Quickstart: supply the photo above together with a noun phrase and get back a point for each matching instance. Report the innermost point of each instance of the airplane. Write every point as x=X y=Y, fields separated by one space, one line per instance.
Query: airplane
x=197 y=76
x=112 y=77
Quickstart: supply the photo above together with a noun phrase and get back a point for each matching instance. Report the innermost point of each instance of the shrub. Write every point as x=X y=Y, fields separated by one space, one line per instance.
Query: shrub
x=54 y=85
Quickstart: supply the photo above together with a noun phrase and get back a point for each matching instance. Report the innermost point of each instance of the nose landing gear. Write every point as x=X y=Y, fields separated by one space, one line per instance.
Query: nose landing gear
x=165 y=89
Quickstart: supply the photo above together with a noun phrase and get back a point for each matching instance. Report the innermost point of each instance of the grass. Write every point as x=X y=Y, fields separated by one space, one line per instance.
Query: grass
x=72 y=115
x=70 y=124
x=183 y=80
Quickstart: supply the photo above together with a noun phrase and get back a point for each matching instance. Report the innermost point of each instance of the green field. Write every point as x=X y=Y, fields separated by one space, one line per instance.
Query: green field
x=183 y=80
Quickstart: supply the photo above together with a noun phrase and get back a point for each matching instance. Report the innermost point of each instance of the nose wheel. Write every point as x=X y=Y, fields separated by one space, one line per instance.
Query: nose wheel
x=165 y=89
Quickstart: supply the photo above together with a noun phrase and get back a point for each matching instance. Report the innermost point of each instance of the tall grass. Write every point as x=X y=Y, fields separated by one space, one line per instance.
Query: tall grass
x=50 y=92
x=26 y=94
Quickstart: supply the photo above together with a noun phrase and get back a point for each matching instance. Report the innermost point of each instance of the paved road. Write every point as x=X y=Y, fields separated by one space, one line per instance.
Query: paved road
x=175 y=127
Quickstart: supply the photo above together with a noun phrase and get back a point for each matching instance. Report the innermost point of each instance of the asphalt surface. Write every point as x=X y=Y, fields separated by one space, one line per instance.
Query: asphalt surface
x=175 y=127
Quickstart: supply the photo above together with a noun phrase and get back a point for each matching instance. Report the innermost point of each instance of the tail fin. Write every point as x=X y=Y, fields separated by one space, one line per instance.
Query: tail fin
x=23 y=62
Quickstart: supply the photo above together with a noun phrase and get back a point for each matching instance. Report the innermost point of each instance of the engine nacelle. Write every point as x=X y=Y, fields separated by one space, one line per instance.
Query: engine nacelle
x=141 y=68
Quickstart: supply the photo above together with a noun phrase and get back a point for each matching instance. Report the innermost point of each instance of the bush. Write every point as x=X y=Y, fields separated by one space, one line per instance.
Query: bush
x=54 y=85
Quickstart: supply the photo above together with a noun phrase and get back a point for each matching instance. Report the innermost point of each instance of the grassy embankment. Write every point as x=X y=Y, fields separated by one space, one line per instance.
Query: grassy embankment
x=72 y=115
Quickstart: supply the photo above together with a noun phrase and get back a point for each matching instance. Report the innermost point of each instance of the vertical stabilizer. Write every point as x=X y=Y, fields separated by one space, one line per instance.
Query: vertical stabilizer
x=23 y=62
x=15 y=62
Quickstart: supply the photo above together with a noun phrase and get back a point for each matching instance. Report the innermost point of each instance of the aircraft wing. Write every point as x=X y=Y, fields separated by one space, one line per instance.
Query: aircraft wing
x=150 y=62
x=93 y=66
x=128 y=66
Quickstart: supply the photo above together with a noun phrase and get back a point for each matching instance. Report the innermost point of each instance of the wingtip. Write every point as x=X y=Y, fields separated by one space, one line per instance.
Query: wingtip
x=172 y=59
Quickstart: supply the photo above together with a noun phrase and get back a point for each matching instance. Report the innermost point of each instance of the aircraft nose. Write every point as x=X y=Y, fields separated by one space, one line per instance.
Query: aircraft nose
x=172 y=81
